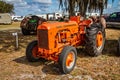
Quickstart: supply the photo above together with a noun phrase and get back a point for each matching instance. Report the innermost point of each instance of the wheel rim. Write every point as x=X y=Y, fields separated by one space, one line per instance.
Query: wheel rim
x=35 y=51
x=70 y=60
x=99 y=40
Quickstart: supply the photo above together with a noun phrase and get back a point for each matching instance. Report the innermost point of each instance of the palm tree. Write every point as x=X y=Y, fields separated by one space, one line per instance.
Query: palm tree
x=83 y=6
x=68 y=5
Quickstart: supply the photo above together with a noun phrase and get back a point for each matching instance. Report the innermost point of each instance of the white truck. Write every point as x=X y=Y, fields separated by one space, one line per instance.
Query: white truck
x=17 y=18
x=5 y=18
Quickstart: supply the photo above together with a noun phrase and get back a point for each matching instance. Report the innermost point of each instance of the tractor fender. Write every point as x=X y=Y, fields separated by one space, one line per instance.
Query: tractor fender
x=86 y=23
x=98 y=19
x=103 y=22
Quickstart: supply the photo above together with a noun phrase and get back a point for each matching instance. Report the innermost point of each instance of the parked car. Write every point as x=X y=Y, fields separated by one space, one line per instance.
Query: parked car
x=18 y=18
x=113 y=20
x=114 y=17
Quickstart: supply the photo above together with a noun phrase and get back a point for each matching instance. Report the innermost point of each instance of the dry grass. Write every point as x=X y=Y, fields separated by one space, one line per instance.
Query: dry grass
x=14 y=25
x=14 y=66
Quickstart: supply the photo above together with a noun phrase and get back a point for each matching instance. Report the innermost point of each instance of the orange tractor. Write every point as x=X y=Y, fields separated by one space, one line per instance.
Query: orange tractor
x=57 y=41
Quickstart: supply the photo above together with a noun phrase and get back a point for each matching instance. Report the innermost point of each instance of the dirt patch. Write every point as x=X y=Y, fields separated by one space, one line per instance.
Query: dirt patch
x=14 y=66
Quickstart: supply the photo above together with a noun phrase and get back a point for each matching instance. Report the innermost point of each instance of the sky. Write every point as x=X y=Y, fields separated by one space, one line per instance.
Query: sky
x=113 y=7
x=25 y=7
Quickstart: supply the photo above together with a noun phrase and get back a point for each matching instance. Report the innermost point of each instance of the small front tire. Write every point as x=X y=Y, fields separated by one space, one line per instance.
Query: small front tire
x=67 y=59
x=32 y=51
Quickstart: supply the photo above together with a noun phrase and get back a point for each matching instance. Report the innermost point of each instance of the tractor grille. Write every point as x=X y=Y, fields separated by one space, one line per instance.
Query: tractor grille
x=43 y=38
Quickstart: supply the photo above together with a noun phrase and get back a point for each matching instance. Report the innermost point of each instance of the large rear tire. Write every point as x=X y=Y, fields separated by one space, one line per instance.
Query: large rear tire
x=67 y=59
x=25 y=31
x=32 y=51
x=95 y=39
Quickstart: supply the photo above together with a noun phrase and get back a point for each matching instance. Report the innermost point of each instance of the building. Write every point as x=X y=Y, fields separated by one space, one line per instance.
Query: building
x=5 y=18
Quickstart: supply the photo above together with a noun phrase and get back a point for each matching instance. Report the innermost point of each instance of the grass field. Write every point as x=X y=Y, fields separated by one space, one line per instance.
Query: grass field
x=15 y=25
x=14 y=66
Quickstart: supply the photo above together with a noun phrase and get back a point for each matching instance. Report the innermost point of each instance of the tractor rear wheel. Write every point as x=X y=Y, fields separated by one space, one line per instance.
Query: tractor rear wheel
x=25 y=31
x=67 y=59
x=95 y=39
x=118 y=47
x=32 y=51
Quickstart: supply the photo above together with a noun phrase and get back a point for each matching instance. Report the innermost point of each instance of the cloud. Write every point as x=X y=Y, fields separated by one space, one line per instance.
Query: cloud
x=43 y=1
x=24 y=7
x=17 y=3
x=109 y=6
x=113 y=7
x=119 y=2
x=14 y=1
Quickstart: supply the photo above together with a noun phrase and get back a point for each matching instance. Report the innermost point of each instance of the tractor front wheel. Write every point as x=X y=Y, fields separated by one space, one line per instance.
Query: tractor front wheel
x=95 y=39
x=32 y=51
x=67 y=59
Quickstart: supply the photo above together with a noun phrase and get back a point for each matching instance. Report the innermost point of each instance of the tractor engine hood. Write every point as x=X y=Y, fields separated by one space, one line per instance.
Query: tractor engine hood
x=48 y=32
x=57 y=25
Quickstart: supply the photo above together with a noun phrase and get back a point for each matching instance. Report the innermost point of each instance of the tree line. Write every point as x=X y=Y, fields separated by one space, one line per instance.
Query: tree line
x=6 y=7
